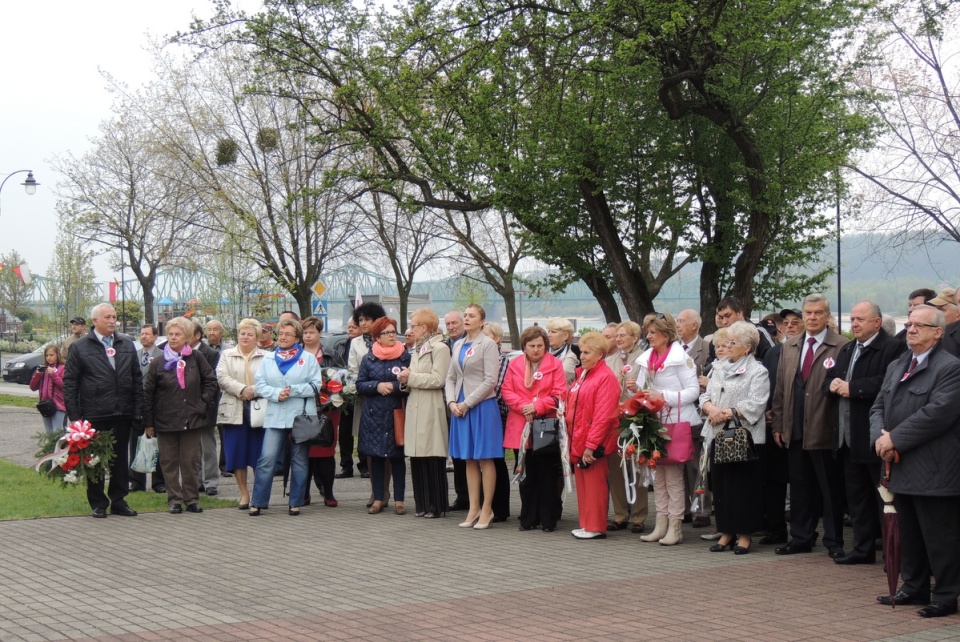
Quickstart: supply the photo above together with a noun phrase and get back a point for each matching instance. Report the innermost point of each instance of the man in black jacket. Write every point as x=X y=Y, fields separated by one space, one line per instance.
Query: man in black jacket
x=103 y=384
x=855 y=379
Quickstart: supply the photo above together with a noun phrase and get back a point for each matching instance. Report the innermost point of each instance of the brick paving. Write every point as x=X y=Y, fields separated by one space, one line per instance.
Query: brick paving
x=339 y=574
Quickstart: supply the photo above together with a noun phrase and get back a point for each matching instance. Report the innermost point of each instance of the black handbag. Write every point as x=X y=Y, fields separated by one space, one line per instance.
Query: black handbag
x=312 y=430
x=544 y=433
x=46 y=407
x=733 y=444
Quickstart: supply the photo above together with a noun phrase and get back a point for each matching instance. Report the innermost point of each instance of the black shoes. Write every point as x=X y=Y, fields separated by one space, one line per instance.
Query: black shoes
x=211 y=492
x=194 y=508
x=364 y=474
x=836 y=553
x=616 y=526
x=793 y=549
x=123 y=511
x=936 y=609
x=175 y=509
x=159 y=489
x=902 y=598
x=455 y=506
x=719 y=548
x=344 y=474
x=100 y=513
x=856 y=558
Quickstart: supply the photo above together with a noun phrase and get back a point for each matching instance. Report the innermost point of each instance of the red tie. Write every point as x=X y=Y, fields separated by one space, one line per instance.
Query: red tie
x=808 y=359
x=913 y=364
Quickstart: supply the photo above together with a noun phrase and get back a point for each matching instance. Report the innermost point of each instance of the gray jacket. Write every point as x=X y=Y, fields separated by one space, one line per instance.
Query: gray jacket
x=746 y=389
x=923 y=419
x=478 y=376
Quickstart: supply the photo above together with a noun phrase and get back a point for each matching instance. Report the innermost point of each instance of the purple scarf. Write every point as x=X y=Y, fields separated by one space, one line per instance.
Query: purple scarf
x=174 y=359
x=286 y=358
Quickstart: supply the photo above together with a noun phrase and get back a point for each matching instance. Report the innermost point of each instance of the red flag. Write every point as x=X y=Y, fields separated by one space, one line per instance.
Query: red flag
x=23 y=272
x=113 y=292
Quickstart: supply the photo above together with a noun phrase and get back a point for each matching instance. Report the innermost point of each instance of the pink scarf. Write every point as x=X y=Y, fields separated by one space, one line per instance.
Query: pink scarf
x=655 y=364
x=174 y=359
x=388 y=354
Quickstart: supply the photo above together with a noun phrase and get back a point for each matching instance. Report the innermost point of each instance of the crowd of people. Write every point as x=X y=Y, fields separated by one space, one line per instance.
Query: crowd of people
x=818 y=415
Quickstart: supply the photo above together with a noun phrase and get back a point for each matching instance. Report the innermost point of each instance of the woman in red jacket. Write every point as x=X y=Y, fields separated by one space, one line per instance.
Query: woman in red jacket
x=592 y=419
x=531 y=388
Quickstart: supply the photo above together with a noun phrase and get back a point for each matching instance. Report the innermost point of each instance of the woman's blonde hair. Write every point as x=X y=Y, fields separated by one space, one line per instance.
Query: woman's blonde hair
x=426 y=317
x=595 y=341
x=559 y=324
x=253 y=324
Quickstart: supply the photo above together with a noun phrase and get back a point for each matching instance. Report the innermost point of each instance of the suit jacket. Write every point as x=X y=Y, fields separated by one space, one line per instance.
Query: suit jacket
x=93 y=389
x=923 y=418
x=154 y=353
x=819 y=413
x=478 y=375
x=699 y=351
x=951 y=339
x=865 y=383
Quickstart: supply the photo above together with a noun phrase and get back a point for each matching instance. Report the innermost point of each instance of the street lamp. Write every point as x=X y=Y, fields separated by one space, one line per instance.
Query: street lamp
x=29 y=185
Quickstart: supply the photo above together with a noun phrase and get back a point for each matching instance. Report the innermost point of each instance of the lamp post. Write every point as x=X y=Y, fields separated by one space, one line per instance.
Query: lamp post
x=29 y=185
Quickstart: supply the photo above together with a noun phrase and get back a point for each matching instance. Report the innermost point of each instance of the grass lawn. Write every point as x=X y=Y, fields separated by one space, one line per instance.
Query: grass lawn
x=18 y=401
x=25 y=494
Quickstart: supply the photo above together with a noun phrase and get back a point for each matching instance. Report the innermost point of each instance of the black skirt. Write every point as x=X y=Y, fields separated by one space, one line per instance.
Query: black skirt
x=737 y=496
x=429 y=475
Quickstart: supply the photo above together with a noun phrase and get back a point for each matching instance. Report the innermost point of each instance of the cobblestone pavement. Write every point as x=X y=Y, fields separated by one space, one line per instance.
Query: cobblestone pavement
x=339 y=573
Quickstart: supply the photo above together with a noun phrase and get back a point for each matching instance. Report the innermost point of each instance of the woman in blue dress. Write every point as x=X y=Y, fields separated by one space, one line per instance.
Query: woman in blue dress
x=476 y=434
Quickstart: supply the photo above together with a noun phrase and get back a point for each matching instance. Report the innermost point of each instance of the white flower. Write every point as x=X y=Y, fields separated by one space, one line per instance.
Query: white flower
x=61 y=460
x=71 y=477
x=350 y=389
x=93 y=461
x=336 y=400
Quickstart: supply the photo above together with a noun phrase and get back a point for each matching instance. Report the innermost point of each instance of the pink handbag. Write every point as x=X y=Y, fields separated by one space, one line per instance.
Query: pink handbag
x=680 y=446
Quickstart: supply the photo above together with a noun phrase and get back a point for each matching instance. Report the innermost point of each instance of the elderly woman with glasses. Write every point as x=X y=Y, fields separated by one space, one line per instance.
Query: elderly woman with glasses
x=177 y=390
x=289 y=379
x=668 y=374
x=426 y=433
x=379 y=384
x=738 y=388
x=560 y=342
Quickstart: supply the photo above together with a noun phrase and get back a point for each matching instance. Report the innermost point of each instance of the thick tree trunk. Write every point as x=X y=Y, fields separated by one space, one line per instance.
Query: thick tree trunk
x=510 y=308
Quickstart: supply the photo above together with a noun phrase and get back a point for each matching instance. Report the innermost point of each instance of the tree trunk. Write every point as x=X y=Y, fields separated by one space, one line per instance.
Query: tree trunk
x=601 y=291
x=510 y=308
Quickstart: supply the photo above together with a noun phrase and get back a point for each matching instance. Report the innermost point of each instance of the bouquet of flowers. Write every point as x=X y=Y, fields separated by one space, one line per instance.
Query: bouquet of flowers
x=642 y=437
x=335 y=392
x=79 y=454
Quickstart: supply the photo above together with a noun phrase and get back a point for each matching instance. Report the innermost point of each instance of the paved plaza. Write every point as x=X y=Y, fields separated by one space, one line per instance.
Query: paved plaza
x=339 y=573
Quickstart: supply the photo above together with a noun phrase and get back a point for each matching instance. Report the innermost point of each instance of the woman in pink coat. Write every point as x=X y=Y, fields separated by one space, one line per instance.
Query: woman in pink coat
x=531 y=388
x=592 y=420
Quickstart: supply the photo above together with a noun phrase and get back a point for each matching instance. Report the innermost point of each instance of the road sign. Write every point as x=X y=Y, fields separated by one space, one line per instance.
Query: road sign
x=319 y=288
x=319 y=308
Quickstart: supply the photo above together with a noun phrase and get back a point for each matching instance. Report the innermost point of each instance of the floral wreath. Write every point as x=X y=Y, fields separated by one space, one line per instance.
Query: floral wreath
x=78 y=454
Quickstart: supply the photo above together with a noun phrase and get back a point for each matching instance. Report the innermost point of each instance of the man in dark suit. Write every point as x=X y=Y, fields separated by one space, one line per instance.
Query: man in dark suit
x=918 y=297
x=102 y=384
x=804 y=421
x=915 y=425
x=209 y=462
x=147 y=353
x=773 y=458
x=854 y=381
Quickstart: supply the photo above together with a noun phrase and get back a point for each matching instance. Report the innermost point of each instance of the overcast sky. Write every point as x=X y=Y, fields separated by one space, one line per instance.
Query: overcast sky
x=53 y=96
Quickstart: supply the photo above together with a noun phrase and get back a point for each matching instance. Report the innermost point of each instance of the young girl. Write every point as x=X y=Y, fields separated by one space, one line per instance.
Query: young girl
x=49 y=381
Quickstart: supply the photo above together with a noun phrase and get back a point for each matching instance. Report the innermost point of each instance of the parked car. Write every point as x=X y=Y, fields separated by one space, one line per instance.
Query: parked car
x=20 y=369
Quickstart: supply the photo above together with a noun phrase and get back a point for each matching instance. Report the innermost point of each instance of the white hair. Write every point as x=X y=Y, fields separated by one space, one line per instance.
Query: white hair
x=95 y=310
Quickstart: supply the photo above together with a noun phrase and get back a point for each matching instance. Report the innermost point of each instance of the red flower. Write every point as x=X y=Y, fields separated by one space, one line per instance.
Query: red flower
x=641 y=460
x=324 y=398
x=83 y=443
x=334 y=386
x=72 y=460
x=631 y=449
x=73 y=447
x=655 y=455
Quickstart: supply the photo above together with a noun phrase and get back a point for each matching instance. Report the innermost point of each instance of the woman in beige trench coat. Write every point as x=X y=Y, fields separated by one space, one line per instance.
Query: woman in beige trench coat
x=425 y=433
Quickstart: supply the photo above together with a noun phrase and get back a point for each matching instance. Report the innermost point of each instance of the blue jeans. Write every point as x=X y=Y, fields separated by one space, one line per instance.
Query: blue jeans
x=56 y=423
x=273 y=443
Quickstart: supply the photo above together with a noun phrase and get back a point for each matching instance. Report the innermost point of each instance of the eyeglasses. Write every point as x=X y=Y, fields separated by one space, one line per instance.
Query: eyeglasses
x=911 y=324
x=389 y=333
x=286 y=334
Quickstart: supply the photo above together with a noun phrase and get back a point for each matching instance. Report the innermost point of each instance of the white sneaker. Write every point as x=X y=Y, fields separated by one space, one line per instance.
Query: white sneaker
x=577 y=532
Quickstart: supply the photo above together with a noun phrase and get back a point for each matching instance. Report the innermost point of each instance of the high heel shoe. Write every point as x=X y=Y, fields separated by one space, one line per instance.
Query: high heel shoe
x=293 y=511
x=376 y=507
x=741 y=550
x=482 y=526
x=254 y=512
x=470 y=521
x=720 y=547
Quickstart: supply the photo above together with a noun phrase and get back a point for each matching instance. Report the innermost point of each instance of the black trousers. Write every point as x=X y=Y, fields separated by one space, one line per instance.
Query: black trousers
x=322 y=470
x=119 y=468
x=501 y=492
x=774 y=461
x=540 y=503
x=929 y=532
x=345 y=441
x=140 y=479
x=863 y=502
x=816 y=485
x=460 y=483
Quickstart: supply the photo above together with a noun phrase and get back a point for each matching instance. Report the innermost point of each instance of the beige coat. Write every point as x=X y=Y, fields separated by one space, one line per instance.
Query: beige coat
x=426 y=433
x=478 y=376
x=231 y=380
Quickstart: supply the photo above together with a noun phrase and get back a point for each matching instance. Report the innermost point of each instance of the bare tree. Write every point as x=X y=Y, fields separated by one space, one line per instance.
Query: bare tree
x=71 y=277
x=127 y=197
x=14 y=291
x=911 y=182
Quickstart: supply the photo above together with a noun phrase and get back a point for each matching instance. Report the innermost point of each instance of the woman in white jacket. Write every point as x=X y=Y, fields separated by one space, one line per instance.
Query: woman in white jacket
x=667 y=371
